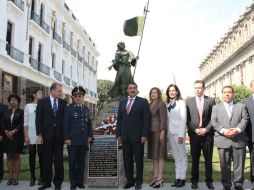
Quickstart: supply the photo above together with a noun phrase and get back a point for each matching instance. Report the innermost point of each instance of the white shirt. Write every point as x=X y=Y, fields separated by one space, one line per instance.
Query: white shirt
x=52 y=101
x=202 y=100
x=29 y=121
x=133 y=99
x=177 y=118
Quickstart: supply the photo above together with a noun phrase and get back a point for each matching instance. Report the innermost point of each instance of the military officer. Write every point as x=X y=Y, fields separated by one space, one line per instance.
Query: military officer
x=77 y=135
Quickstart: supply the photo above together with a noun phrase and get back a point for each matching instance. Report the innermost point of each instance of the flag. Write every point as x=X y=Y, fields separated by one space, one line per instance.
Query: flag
x=134 y=26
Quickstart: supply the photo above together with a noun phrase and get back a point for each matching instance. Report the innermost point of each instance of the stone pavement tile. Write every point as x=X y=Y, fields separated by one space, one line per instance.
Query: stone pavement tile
x=24 y=185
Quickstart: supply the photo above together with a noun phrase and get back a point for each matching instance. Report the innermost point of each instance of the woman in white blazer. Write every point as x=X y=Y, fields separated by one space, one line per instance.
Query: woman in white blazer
x=177 y=116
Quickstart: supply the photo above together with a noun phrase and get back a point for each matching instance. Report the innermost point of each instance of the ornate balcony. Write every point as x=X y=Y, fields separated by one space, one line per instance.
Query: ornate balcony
x=80 y=58
x=66 y=46
x=37 y=19
x=39 y=66
x=58 y=76
x=73 y=52
x=15 y=53
x=57 y=37
x=74 y=84
x=19 y=4
x=67 y=80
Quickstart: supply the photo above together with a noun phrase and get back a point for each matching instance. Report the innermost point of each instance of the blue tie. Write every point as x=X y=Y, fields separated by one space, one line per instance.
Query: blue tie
x=54 y=107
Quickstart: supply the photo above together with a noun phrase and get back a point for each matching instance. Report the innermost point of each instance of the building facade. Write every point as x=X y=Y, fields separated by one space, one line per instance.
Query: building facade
x=232 y=59
x=41 y=41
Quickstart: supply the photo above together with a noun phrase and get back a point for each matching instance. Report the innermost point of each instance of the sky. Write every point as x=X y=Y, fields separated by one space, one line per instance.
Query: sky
x=178 y=35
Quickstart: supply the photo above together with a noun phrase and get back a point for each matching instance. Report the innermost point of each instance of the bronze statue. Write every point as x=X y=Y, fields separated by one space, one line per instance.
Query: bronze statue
x=122 y=63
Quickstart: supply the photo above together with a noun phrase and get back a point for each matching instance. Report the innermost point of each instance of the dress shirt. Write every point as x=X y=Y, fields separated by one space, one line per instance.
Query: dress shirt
x=52 y=101
x=202 y=100
x=133 y=99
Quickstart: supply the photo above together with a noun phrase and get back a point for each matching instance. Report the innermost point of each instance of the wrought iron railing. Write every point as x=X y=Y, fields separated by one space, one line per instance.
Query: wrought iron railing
x=74 y=83
x=57 y=37
x=19 y=3
x=37 y=19
x=67 y=80
x=15 y=53
x=80 y=58
x=57 y=76
x=73 y=52
x=39 y=66
x=66 y=46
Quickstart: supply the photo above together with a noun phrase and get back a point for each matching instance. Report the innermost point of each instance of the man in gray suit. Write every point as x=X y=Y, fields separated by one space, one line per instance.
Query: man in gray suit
x=249 y=102
x=230 y=119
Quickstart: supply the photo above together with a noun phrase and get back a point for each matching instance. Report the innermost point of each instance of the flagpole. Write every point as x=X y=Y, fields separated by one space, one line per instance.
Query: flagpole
x=145 y=12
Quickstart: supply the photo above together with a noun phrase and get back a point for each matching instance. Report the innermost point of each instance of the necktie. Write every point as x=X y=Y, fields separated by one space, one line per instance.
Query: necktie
x=54 y=107
x=200 y=111
x=128 y=108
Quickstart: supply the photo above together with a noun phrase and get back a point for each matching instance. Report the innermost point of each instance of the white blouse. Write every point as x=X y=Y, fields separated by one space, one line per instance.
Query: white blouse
x=177 y=118
x=29 y=121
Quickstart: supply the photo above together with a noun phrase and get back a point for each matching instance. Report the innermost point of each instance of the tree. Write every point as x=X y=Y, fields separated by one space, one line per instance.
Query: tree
x=241 y=92
x=103 y=87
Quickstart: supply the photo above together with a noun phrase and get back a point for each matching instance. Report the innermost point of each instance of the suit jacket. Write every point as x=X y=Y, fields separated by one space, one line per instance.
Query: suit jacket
x=193 y=115
x=249 y=102
x=158 y=117
x=48 y=125
x=77 y=124
x=17 y=122
x=239 y=119
x=136 y=124
x=2 y=109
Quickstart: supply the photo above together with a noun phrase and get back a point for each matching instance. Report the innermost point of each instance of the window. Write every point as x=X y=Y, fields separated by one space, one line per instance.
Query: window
x=53 y=60
x=63 y=67
x=9 y=33
x=71 y=71
x=41 y=13
x=30 y=48
x=32 y=8
x=40 y=53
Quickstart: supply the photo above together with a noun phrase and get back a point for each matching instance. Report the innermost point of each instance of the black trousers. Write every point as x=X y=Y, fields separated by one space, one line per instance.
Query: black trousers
x=33 y=148
x=204 y=143
x=52 y=152
x=77 y=158
x=251 y=150
x=1 y=165
x=136 y=150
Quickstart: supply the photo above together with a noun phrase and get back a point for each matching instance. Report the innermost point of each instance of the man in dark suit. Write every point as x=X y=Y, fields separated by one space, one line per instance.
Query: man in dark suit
x=49 y=128
x=199 y=110
x=132 y=130
x=249 y=102
x=78 y=133
x=229 y=120
x=2 y=109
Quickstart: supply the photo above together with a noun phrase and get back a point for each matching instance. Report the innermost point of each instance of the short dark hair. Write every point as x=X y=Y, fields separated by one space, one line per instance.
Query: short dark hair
x=54 y=85
x=200 y=82
x=228 y=86
x=35 y=92
x=178 y=96
x=133 y=83
x=17 y=97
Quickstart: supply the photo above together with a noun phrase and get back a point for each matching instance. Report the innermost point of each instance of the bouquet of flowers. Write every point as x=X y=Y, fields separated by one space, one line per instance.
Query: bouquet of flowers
x=107 y=126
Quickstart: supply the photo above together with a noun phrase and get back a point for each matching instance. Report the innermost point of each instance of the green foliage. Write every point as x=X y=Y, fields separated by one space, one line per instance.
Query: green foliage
x=241 y=92
x=103 y=86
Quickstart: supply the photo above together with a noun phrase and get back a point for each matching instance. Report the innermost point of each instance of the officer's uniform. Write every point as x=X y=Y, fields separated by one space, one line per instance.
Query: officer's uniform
x=77 y=128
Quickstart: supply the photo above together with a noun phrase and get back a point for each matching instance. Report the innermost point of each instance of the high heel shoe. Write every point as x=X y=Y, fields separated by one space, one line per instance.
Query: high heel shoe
x=158 y=183
x=15 y=182
x=10 y=181
x=153 y=182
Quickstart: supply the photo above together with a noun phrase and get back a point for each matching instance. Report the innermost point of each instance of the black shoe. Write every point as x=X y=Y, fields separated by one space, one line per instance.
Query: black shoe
x=40 y=181
x=138 y=186
x=209 y=185
x=81 y=186
x=153 y=182
x=175 y=182
x=58 y=187
x=32 y=182
x=72 y=187
x=238 y=188
x=226 y=188
x=9 y=182
x=44 y=187
x=194 y=185
x=181 y=183
x=159 y=183
x=128 y=185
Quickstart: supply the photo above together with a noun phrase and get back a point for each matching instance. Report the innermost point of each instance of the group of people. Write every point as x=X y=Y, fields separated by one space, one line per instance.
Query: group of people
x=45 y=125
x=228 y=125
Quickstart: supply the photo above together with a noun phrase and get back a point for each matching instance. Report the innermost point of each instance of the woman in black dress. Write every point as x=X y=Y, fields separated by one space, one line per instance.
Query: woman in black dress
x=12 y=122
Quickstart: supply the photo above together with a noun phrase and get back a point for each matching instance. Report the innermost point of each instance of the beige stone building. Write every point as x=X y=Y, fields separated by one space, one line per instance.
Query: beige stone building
x=232 y=59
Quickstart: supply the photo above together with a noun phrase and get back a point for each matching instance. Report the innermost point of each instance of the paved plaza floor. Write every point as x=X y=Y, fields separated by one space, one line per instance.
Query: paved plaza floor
x=24 y=185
